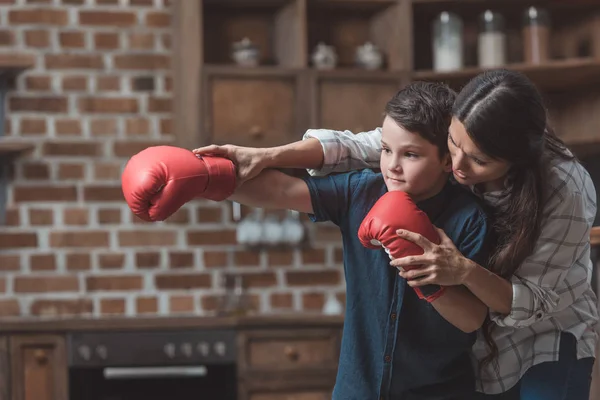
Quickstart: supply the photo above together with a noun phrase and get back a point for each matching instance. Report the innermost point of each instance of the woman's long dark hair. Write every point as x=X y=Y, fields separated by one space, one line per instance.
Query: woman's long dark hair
x=504 y=115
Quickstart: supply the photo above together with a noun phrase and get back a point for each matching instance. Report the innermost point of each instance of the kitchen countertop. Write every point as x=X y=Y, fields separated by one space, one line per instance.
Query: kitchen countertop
x=73 y=324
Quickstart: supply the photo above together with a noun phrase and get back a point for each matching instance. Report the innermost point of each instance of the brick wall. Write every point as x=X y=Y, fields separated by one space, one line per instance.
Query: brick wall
x=99 y=92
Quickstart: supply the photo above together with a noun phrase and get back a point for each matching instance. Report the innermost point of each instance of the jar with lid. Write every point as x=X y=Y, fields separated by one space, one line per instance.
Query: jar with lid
x=536 y=35
x=447 y=43
x=491 y=42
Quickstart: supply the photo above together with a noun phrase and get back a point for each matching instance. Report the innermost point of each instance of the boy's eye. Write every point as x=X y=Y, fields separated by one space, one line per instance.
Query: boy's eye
x=411 y=155
x=478 y=162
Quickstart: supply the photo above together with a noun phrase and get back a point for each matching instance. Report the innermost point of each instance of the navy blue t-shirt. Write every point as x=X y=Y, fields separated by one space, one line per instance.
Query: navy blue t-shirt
x=394 y=345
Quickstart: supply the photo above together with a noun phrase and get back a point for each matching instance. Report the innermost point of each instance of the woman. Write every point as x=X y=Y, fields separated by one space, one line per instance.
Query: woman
x=539 y=341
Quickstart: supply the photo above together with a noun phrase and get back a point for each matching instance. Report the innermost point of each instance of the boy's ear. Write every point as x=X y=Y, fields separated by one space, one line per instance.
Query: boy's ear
x=447 y=162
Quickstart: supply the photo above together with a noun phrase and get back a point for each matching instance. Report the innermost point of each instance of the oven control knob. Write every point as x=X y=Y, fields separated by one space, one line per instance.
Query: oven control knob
x=220 y=348
x=102 y=352
x=187 y=349
x=170 y=350
x=203 y=349
x=85 y=352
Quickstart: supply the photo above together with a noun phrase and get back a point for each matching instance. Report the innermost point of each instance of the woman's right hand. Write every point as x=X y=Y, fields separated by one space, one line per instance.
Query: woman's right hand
x=249 y=161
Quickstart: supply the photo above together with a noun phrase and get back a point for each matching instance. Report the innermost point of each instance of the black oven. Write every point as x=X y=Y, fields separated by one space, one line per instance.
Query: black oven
x=153 y=365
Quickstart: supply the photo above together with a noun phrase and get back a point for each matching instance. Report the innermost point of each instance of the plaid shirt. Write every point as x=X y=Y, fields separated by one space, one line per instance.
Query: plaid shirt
x=551 y=290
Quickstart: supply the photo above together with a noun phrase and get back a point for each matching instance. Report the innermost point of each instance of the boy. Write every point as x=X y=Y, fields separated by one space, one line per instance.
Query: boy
x=396 y=346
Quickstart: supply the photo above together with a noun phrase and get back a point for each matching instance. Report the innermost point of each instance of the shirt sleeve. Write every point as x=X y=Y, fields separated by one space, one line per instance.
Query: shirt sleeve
x=554 y=276
x=331 y=196
x=345 y=151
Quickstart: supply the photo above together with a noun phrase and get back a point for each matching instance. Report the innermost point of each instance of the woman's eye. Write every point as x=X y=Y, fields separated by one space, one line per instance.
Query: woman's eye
x=478 y=162
x=411 y=155
x=385 y=150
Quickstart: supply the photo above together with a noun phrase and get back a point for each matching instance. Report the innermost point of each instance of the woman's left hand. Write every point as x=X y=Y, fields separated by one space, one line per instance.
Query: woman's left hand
x=440 y=264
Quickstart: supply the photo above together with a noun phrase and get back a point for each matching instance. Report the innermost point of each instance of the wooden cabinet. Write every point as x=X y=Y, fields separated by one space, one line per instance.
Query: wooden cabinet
x=39 y=367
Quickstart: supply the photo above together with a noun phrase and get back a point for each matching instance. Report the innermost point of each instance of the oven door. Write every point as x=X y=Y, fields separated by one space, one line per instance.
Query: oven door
x=154 y=383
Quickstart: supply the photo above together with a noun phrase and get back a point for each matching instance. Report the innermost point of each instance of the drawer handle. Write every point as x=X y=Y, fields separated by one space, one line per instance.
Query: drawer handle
x=256 y=132
x=291 y=353
x=40 y=356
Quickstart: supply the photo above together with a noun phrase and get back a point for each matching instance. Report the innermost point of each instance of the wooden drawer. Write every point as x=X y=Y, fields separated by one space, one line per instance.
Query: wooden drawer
x=285 y=350
x=296 y=387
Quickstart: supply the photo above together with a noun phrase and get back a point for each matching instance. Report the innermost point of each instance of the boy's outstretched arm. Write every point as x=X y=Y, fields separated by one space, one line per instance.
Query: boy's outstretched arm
x=276 y=190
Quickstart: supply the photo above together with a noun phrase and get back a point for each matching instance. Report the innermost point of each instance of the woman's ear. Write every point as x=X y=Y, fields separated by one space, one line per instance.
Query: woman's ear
x=447 y=162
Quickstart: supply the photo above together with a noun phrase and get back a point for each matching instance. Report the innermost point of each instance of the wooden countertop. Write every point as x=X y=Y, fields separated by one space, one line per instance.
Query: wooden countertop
x=595 y=236
x=58 y=325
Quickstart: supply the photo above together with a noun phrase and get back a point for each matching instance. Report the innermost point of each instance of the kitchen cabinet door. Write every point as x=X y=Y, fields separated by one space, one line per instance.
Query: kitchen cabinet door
x=39 y=367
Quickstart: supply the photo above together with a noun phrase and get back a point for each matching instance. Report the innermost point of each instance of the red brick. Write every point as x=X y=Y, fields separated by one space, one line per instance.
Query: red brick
x=199 y=238
x=73 y=2
x=209 y=214
x=168 y=85
x=112 y=306
x=142 y=61
x=141 y=2
x=181 y=259
x=44 y=193
x=72 y=40
x=33 y=126
x=74 y=83
x=313 y=256
x=211 y=303
x=311 y=278
x=74 y=61
x=7 y=38
x=107 y=18
x=147 y=238
x=166 y=126
x=246 y=258
x=137 y=126
x=67 y=126
x=158 y=19
x=78 y=262
x=338 y=256
x=281 y=301
x=111 y=260
x=109 y=216
x=36 y=171
x=181 y=216
x=108 y=105
x=37 y=38
x=108 y=83
x=43 y=284
x=71 y=171
x=104 y=126
x=147 y=259
x=114 y=283
x=215 y=259
x=181 y=304
x=10 y=262
x=128 y=149
x=56 y=104
x=42 y=262
x=103 y=193
x=182 y=282
x=72 y=149
x=156 y=104
x=259 y=279
x=10 y=308
x=62 y=307
x=41 y=16
x=18 y=240
x=79 y=239
x=107 y=170
x=106 y=40
x=280 y=258
x=166 y=40
x=12 y=217
x=141 y=41
x=143 y=83
x=40 y=217
x=38 y=82
x=313 y=301
x=76 y=216
x=107 y=2
x=146 y=305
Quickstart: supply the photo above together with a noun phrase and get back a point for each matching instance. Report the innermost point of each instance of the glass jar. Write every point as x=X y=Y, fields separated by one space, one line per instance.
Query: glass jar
x=447 y=43
x=491 y=42
x=536 y=35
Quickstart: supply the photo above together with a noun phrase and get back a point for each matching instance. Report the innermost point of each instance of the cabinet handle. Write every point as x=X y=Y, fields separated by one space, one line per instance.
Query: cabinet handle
x=256 y=132
x=40 y=356
x=291 y=353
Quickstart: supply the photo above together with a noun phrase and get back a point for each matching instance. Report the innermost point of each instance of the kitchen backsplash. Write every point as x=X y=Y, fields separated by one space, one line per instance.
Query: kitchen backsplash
x=101 y=91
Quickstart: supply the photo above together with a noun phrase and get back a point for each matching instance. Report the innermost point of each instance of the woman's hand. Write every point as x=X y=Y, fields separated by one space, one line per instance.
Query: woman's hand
x=440 y=264
x=249 y=161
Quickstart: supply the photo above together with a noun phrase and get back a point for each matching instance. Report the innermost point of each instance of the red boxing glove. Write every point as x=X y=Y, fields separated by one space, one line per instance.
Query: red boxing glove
x=157 y=181
x=396 y=210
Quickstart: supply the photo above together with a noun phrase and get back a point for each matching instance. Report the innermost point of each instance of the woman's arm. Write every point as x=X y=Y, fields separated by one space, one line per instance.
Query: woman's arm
x=461 y=308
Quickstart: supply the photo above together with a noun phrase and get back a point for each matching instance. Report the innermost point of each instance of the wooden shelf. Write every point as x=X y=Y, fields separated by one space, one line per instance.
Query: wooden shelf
x=553 y=76
x=10 y=148
x=14 y=64
x=595 y=236
x=457 y=4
